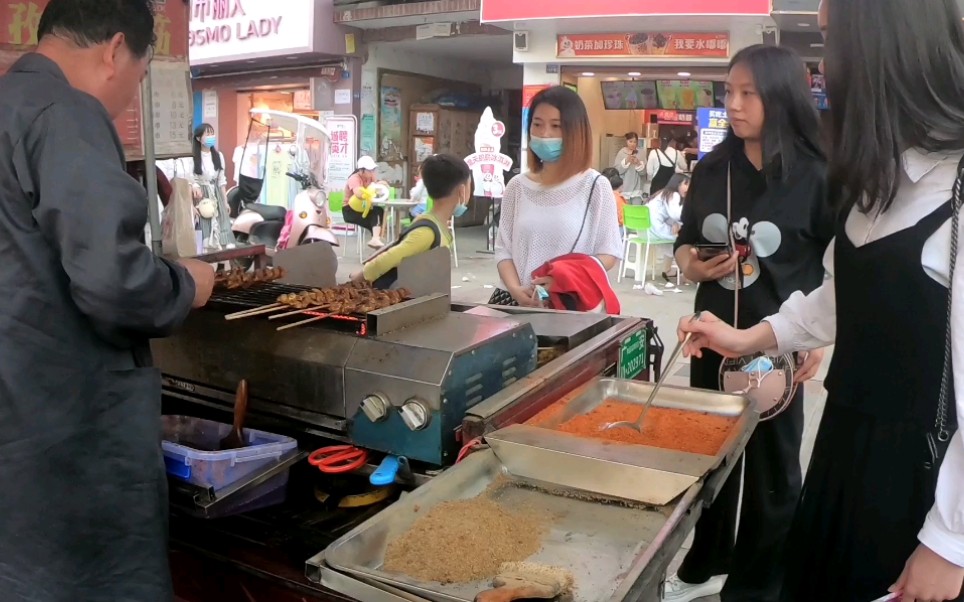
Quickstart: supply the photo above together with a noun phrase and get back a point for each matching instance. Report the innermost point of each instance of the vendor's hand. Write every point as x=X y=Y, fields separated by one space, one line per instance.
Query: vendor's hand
x=712 y=269
x=928 y=577
x=203 y=276
x=196 y=193
x=809 y=367
x=357 y=277
x=709 y=332
x=525 y=296
x=676 y=229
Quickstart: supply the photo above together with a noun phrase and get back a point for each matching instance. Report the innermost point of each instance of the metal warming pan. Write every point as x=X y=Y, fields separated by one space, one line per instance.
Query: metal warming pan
x=616 y=549
x=634 y=472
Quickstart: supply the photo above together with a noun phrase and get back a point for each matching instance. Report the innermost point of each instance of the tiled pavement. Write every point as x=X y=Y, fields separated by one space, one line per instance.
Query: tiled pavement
x=473 y=280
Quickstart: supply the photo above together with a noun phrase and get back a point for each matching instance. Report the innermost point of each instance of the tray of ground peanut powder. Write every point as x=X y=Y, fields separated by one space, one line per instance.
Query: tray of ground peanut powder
x=686 y=434
x=445 y=541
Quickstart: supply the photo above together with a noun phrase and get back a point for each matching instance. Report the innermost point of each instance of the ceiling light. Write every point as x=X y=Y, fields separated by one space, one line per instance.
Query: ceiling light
x=684 y=74
x=803 y=25
x=588 y=74
x=634 y=74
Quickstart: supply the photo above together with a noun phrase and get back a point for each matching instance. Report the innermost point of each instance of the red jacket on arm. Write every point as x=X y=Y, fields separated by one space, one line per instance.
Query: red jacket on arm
x=579 y=283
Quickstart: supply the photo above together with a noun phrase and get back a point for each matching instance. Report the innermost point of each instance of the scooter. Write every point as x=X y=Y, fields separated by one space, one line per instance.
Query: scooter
x=277 y=229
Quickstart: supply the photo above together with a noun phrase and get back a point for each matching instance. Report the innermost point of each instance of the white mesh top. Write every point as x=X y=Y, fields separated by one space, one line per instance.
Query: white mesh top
x=539 y=223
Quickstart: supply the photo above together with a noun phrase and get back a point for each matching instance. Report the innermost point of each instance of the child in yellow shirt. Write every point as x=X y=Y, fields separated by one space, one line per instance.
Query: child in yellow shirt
x=448 y=181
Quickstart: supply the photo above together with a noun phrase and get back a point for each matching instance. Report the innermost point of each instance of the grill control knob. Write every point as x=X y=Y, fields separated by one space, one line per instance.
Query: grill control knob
x=375 y=407
x=414 y=415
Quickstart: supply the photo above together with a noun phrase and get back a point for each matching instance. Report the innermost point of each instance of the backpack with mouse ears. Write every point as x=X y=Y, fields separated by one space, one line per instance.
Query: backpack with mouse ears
x=765 y=380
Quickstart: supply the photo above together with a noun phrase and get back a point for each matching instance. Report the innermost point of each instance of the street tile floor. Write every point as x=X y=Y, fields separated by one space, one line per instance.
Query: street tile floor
x=475 y=277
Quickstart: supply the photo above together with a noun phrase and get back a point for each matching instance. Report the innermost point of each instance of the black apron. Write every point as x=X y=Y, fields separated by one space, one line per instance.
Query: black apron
x=663 y=174
x=387 y=280
x=872 y=477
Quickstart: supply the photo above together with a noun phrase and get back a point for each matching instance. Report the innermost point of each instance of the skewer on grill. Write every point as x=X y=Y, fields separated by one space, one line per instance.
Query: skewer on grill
x=257 y=311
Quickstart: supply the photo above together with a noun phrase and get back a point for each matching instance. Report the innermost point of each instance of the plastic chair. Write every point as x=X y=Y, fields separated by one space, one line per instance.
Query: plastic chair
x=638 y=222
x=336 y=200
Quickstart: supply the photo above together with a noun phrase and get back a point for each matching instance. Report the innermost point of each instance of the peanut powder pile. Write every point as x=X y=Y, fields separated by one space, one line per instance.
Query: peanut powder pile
x=465 y=540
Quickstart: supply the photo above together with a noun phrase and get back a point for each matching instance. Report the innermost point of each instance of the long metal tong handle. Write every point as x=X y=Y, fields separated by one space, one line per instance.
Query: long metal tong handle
x=672 y=361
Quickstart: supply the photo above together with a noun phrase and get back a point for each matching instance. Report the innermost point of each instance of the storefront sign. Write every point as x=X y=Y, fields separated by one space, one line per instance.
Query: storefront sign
x=654 y=44
x=19 y=20
x=712 y=125
x=665 y=117
x=229 y=30
x=512 y=10
x=487 y=163
x=343 y=150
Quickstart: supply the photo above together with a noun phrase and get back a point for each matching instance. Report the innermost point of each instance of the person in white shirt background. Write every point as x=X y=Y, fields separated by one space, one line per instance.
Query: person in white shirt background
x=560 y=206
x=205 y=170
x=632 y=169
x=665 y=211
x=663 y=162
x=883 y=502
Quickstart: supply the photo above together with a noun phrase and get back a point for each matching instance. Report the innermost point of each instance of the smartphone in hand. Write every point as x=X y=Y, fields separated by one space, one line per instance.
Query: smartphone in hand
x=707 y=251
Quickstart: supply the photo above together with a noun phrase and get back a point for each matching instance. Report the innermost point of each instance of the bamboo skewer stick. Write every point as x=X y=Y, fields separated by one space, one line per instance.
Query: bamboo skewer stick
x=308 y=321
x=264 y=309
x=297 y=311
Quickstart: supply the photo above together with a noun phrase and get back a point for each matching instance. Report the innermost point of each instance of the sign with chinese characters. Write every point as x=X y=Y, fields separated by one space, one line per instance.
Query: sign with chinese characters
x=487 y=163
x=658 y=44
x=232 y=30
x=19 y=20
x=513 y=10
x=173 y=108
x=712 y=125
x=343 y=150
x=665 y=117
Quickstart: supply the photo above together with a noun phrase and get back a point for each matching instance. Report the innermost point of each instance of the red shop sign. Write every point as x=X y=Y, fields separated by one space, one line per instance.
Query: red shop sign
x=512 y=10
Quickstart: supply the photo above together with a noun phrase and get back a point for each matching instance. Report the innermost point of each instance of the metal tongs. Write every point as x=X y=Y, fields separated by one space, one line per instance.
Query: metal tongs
x=638 y=425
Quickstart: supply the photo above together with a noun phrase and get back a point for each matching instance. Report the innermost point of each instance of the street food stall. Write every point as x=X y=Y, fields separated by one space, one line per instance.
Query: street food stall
x=392 y=409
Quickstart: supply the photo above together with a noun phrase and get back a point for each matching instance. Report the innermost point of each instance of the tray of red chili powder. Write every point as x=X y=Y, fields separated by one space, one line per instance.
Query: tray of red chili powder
x=687 y=434
x=681 y=430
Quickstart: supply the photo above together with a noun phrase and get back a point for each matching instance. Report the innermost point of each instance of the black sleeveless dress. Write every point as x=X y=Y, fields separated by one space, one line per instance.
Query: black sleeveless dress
x=872 y=477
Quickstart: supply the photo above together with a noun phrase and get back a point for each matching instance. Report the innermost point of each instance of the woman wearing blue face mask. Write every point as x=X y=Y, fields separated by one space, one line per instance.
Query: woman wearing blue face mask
x=448 y=182
x=205 y=171
x=560 y=206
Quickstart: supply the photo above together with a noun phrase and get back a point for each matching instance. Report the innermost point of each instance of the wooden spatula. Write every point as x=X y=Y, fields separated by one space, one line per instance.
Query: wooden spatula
x=235 y=438
x=527 y=581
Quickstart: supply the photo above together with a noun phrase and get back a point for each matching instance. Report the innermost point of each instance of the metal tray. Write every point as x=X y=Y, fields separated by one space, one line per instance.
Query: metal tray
x=634 y=472
x=598 y=542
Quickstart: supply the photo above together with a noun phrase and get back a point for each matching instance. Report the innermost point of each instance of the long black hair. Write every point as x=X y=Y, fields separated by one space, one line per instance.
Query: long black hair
x=791 y=125
x=895 y=80
x=200 y=132
x=672 y=187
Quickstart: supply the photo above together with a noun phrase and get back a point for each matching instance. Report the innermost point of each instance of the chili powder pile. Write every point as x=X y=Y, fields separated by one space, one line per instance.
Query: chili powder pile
x=680 y=430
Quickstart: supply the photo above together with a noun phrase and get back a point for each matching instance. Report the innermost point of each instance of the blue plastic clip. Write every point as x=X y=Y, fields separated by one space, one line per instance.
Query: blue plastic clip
x=385 y=473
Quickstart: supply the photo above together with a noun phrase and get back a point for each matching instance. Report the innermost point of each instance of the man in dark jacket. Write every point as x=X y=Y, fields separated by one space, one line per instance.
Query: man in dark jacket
x=83 y=498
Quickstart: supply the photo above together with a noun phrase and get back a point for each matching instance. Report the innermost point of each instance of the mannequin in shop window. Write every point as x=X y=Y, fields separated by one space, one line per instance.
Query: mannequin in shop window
x=205 y=171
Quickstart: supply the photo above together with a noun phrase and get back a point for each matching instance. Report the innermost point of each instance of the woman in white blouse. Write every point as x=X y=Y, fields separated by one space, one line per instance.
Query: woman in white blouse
x=665 y=213
x=560 y=205
x=883 y=503
x=205 y=171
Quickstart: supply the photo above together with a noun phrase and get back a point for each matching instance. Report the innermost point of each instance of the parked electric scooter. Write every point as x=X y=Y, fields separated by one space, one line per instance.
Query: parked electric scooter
x=306 y=223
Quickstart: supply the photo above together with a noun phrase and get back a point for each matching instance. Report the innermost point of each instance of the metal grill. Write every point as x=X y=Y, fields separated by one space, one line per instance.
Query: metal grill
x=249 y=298
x=259 y=295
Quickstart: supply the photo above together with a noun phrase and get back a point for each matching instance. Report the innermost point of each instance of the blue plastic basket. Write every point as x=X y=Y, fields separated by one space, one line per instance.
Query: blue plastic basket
x=190 y=451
